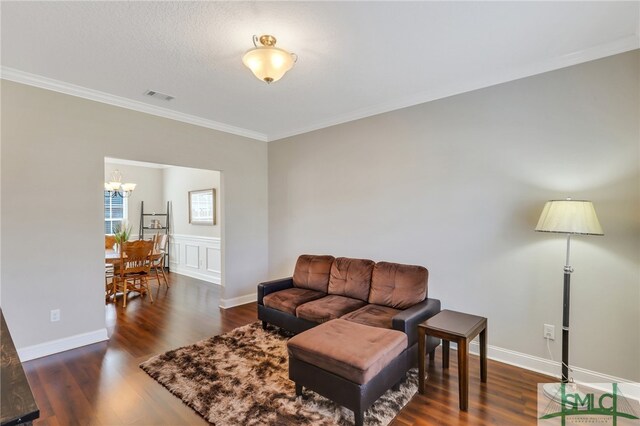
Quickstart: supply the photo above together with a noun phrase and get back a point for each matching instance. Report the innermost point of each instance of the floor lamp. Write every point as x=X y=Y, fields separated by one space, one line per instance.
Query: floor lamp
x=570 y=217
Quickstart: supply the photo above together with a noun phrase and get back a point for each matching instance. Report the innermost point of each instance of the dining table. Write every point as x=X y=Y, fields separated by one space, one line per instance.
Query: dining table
x=113 y=256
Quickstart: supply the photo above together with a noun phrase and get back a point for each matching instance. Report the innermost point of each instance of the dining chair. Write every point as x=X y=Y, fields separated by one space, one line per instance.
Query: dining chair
x=109 y=271
x=109 y=241
x=135 y=266
x=158 y=262
x=108 y=280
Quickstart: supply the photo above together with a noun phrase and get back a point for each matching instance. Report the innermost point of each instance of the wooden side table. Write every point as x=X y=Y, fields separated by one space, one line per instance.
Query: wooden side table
x=451 y=326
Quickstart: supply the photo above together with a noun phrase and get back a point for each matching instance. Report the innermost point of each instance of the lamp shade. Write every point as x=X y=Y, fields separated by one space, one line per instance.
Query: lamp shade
x=569 y=217
x=128 y=187
x=268 y=62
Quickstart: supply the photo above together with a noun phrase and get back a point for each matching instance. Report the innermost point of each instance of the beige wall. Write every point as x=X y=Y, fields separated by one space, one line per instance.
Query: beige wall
x=52 y=155
x=178 y=181
x=458 y=184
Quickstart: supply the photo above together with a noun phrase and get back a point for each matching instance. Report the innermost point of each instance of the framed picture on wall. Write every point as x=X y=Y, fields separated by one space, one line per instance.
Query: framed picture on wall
x=202 y=207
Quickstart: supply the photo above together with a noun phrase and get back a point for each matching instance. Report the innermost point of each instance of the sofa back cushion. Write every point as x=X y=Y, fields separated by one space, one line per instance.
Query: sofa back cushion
x=398 y=286
x=351 y=277
x=312 y=272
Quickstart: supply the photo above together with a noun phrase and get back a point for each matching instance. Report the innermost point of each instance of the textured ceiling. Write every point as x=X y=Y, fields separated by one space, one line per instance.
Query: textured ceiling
x=355 y=58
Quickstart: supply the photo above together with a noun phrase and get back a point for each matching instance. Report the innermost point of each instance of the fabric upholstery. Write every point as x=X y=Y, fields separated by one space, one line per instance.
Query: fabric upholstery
x=269 y=287
x=328 y=308
x=398 y=286
x=351 y=277
x=312 y=272
x=373 y=315
x=353 y=351
x=288 y=300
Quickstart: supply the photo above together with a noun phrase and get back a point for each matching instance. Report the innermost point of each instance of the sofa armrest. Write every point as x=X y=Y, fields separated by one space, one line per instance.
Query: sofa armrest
x=273 y=286
x=407 y=321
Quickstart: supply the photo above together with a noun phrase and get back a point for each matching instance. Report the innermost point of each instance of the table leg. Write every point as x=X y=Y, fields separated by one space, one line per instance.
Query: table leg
x=463 y=373
x=445 y=354
x=483 y=355
x=421 y=359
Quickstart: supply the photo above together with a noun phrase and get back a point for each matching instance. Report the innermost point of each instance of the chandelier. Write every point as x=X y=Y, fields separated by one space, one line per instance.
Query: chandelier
x=268 y=62
x=116 y=188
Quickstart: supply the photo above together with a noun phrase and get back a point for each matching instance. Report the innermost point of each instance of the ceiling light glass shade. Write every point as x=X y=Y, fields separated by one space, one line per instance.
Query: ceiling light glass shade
x=267 y=62
x=569 y=217
x=128 y=187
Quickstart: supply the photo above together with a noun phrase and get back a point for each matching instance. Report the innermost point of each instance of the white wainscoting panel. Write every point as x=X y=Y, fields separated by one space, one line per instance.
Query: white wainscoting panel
x=213 y=259
x=192 y=256
x=197 y=257
x=175 y=250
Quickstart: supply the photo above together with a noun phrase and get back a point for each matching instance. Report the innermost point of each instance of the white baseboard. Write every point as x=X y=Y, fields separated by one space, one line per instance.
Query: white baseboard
x=518 y=359
x=194 y=274
x=60 y=345
x=541 y=365
x=237 y=301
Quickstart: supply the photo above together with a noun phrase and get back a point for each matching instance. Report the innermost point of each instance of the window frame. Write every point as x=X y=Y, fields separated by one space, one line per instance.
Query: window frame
x=125 y=211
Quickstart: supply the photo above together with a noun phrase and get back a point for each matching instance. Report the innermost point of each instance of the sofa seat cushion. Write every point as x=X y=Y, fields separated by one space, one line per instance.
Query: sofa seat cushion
x=312 y=272
x=288 y=300
x=353 y=351
x=351 y=277
x=328 y=308
x=398 y=286
x=373 y=315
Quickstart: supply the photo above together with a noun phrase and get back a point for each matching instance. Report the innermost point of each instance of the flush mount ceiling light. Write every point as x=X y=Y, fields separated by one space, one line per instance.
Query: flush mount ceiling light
x=268 y=62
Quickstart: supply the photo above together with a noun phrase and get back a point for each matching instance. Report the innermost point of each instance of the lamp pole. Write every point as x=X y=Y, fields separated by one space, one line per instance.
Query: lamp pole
x=569 y=217
x=565 y=314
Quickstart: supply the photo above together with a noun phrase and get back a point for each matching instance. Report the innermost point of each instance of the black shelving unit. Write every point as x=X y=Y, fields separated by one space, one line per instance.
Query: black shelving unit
x=145 y=219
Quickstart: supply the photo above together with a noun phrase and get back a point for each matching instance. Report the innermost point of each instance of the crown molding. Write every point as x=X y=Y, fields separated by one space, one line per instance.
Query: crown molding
x=621 y=45
x=615 y=47
x=35 y=80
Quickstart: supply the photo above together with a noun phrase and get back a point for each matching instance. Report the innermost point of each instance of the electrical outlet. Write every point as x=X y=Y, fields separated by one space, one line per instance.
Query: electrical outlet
x=549 y=332
x=55 y=315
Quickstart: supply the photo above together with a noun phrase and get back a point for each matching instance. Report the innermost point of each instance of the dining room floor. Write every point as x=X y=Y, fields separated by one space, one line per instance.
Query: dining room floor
x=101 y=384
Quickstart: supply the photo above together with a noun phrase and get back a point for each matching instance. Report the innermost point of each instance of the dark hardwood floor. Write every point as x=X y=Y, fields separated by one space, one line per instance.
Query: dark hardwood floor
x=101 y=384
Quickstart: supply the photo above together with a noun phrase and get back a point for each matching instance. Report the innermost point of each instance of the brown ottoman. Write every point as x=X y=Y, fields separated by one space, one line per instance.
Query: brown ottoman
x=351 y=364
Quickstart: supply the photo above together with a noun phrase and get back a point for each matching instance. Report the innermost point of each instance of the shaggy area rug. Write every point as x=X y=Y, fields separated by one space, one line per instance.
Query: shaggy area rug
x=241 y=378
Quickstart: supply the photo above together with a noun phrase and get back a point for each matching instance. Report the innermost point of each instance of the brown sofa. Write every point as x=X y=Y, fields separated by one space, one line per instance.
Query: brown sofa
x=383 y=294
